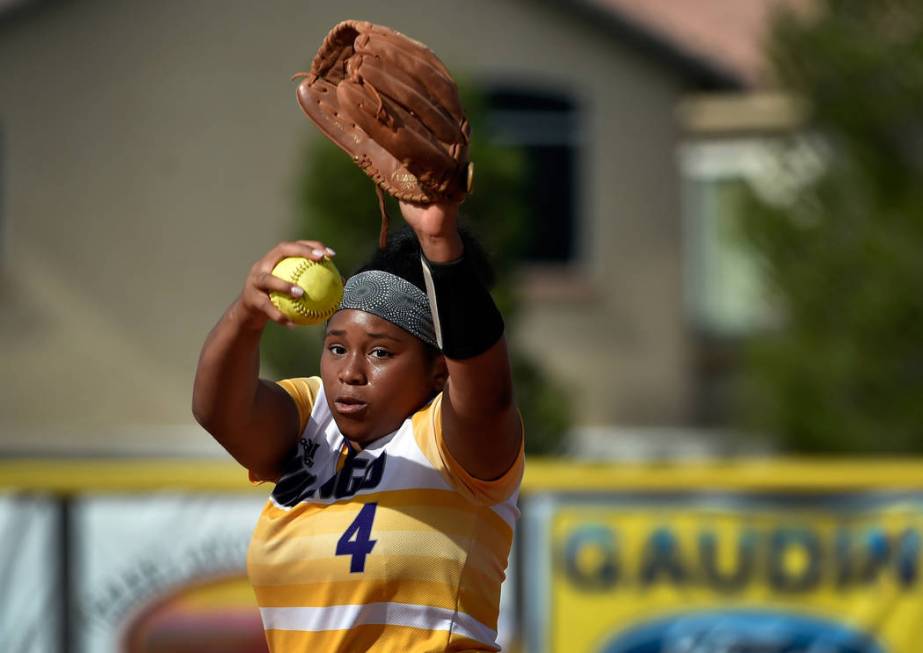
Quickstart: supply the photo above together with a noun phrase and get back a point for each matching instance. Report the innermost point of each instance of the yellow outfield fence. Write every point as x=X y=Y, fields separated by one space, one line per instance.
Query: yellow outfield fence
x=143 y=474
x=769 y=555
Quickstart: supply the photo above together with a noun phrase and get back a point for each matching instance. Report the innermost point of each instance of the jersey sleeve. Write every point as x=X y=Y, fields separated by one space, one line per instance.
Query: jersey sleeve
x=304 y=392
x=427 y=427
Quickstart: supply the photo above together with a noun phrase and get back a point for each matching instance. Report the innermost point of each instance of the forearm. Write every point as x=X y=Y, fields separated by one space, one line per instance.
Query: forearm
x=227 y=374
x=479 y=411
x=467 y=323
x=480 y=419
x=480 y=388
x=253 y=423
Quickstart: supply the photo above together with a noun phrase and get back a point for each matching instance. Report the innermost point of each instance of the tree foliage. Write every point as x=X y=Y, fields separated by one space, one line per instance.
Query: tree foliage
x=338 y=206
x=843 y=254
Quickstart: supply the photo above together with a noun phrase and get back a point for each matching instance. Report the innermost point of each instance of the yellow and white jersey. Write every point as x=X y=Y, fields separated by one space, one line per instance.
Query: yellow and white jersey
x=394 y=548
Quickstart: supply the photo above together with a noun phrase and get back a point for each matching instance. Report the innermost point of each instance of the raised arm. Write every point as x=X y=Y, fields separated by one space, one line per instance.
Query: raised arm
x=255 y=420
x=480 y=422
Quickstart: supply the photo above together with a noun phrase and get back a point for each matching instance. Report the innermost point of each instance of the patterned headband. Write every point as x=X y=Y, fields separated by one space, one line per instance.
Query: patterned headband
x=393 y=299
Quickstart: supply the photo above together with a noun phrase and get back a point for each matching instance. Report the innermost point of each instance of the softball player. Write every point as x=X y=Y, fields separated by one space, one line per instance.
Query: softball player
x=397 y=470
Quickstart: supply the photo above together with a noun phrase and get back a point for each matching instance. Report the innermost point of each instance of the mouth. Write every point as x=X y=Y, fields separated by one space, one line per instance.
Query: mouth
x=349 y=406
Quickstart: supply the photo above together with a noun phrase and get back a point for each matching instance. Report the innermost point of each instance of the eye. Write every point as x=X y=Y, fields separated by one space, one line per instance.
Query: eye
x=381 y=352
x=336 y=350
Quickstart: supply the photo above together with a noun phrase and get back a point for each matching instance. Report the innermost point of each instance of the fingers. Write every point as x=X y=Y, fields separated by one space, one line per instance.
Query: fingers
x=258 y=306
x=255 y=298
x=274 y=313
x=268 y=282
x=265 y=305
x=310 y=249
x=317 y=246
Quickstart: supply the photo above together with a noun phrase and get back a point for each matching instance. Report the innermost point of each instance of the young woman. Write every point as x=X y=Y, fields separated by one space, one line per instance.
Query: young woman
x=396 y=471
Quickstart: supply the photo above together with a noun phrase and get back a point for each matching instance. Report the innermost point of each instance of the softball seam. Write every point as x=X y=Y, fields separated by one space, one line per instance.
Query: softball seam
x=296 y=303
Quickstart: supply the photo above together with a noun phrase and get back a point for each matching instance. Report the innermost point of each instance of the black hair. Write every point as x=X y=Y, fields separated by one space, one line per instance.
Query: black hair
x=402 y=257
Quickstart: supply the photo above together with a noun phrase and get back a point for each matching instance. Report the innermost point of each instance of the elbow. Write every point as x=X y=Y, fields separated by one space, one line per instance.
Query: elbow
x=203 y=413
x=199 y=413
x=265 y=472
x=200 y=417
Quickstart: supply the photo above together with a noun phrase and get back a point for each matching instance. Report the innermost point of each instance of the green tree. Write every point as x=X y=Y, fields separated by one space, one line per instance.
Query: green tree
x=337 y=205
x=843 y=254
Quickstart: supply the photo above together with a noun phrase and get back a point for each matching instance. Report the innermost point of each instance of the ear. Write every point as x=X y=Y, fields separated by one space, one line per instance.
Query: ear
x=440 y=373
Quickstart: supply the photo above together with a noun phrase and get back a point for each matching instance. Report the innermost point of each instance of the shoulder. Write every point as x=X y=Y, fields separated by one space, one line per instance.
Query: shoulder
x=427 y=430
x=304 y=391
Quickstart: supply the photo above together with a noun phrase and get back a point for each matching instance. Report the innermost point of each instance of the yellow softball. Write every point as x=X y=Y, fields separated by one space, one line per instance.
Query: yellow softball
x=322 y=285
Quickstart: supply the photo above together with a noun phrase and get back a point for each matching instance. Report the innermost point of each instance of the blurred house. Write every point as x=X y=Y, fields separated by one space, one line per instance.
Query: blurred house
x=148 y=153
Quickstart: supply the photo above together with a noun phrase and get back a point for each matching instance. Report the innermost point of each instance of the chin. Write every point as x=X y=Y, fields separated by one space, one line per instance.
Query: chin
x=349 y=429
x=361 y=434
x=353 y=431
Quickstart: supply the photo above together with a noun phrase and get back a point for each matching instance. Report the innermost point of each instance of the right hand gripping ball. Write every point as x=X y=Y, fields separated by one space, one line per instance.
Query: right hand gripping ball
x=322 y=285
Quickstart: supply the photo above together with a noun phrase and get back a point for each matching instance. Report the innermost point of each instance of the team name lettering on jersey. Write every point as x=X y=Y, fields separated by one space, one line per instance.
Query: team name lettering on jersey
x=298 y=484
x=357 y=474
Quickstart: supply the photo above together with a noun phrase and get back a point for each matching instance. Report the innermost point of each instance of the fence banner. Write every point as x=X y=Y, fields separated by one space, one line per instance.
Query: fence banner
x=712 y=571
x=135 y=556
x=28 y=574
x=165 y=572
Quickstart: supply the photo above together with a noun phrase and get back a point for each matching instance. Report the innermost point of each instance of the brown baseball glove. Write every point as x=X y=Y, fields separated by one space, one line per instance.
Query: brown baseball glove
x=390 y=104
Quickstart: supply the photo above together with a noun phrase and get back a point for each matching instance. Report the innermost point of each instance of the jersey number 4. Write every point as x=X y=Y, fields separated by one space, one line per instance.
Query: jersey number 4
x=356 y=540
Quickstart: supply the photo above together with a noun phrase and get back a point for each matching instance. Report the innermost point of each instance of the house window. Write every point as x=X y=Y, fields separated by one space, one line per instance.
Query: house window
x=724 y=293
x=726 y=296
x=544 y=126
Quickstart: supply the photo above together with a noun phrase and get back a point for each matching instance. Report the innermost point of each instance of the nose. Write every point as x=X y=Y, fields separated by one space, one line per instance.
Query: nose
x=352 y=371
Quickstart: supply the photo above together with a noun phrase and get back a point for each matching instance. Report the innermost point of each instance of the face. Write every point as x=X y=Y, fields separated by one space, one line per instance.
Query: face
x=375 y=374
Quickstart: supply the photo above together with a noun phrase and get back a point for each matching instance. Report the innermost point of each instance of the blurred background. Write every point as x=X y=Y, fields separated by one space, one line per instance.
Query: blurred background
x=707 y=221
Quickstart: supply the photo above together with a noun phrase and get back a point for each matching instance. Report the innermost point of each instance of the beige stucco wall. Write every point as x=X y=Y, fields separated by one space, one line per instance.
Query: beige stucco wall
x=149 y=151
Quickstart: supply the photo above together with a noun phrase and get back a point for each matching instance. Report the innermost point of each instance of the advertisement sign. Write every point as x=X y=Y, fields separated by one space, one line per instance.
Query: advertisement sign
x=728 y=573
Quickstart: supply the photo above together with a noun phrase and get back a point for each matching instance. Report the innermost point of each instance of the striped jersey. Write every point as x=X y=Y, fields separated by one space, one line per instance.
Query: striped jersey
x=393 y=548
